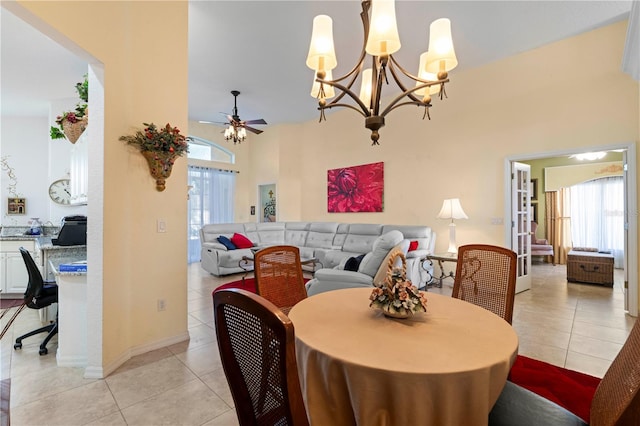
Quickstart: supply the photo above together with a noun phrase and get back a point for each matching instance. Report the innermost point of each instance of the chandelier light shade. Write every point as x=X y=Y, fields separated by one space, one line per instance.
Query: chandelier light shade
x=424 y=75
x=383 y=36
x=329 y=91
x=322 y=54
x=451 y=209
x=381 y=41
x=442 y=56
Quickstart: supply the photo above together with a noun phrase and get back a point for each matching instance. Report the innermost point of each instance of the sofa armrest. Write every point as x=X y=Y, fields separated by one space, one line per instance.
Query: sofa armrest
x=338 y=275
x=417 y=253
x=215 y=246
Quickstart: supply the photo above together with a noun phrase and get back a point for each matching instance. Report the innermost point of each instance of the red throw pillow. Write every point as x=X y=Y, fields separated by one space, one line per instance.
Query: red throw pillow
x=413 y=245
x=241 y=241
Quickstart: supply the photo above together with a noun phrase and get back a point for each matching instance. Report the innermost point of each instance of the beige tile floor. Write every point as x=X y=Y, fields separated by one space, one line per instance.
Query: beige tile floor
x=578 y=326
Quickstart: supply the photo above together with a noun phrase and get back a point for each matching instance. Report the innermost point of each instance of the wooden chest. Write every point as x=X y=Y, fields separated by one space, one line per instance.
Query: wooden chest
x=590 y=267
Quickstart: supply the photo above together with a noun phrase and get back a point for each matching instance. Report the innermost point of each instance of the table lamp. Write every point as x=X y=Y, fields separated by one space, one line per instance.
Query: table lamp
x=451 y=209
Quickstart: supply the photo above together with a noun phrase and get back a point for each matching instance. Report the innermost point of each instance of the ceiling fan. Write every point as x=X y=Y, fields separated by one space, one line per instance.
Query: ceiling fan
x=237 y=130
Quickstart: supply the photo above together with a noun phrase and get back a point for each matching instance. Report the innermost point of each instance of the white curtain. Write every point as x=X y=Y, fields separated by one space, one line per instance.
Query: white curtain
x=211 y=200
x=597 y=216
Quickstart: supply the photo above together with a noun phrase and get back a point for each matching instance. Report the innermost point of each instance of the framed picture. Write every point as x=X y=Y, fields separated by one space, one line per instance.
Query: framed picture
x=534 y=189
x=16 y=206
x=356 y=189
x=534 y=212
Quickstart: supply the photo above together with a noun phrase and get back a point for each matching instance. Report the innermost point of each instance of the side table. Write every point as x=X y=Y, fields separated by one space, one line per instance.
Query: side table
x=440 y=258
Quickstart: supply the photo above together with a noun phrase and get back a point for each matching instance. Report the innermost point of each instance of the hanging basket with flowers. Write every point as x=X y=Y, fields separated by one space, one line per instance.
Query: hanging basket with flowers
x=71 y=124
x=161 y=147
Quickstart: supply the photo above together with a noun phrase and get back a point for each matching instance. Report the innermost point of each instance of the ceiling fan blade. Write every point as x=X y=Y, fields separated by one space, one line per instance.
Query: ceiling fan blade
x=213 y=122
x=252 y=130
x=258 y=121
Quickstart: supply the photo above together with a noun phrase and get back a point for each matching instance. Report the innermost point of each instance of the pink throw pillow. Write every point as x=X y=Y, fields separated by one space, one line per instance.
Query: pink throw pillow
x=241 y=241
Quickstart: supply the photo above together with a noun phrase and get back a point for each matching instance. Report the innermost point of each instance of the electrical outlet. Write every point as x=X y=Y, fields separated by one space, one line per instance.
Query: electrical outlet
x=497 y=221
x=162 y=305
x=162 y=226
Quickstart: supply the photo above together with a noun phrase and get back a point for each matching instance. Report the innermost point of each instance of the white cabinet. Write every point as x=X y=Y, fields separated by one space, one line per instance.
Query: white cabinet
x=13 y=272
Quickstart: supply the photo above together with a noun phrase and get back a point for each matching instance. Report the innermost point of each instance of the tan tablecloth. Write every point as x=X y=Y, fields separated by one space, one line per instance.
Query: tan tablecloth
x=445 y=367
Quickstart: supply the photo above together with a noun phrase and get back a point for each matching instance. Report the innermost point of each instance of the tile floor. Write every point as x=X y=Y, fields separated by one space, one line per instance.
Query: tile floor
x=579 y=326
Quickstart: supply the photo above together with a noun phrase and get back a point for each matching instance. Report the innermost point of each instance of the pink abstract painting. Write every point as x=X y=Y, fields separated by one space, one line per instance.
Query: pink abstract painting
x=356 y=188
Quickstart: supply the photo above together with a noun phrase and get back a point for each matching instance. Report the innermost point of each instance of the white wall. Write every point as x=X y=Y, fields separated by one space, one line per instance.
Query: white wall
x=37 y=162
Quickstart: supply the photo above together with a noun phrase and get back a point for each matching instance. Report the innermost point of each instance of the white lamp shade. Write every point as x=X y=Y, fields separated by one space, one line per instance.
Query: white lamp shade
x=383 y=36
x=365 y=87
x=322 y=55
x=442 y=56
x=424 y=75
x=451 y=209
x=329 y=91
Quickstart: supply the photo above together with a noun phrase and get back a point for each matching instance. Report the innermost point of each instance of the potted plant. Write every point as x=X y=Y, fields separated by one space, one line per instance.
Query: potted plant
x=160 y=147
x=71 y=124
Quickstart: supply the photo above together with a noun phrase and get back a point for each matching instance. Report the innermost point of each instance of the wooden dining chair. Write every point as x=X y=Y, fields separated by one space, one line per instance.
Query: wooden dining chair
x=257 y=349
x=486 y=276
x=616 y=400
x=278 y=276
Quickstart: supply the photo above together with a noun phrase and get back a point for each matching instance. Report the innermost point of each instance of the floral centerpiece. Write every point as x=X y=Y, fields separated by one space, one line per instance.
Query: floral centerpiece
x=397 y=297
x=160 y=147
x=71 y=124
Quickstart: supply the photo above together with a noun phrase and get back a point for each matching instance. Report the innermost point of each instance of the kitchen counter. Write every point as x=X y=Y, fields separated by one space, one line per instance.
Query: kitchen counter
x=53 y=255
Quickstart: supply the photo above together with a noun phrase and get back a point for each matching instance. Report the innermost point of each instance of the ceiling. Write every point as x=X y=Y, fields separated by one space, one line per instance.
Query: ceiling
x=260 y=48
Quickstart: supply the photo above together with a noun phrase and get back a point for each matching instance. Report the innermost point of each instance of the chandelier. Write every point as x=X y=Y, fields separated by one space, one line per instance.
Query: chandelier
x=380 y=41
x=235 y=133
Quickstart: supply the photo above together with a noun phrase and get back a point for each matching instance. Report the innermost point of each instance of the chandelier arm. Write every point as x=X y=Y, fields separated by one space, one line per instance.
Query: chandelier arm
x=331 y=105
x=357 y=68
x=345 y=90
x=418 y=103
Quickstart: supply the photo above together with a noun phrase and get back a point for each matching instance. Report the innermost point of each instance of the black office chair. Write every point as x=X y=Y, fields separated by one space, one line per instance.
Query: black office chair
x=39 y=294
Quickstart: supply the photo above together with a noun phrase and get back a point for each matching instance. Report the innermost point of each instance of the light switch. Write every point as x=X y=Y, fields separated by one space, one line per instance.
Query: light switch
x=162 y=225
x=497 y=221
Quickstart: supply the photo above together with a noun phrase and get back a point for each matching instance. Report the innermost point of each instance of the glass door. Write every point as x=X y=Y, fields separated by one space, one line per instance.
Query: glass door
x=521 y=222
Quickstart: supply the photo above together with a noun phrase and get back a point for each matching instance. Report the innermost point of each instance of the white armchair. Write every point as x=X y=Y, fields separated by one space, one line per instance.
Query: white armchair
x=372 y=269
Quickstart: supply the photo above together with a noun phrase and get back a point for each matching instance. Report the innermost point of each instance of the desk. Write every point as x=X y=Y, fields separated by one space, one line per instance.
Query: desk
x=445 y=367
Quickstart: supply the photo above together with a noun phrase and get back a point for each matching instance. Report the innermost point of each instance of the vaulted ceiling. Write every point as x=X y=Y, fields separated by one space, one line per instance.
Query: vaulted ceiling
x=260 y=47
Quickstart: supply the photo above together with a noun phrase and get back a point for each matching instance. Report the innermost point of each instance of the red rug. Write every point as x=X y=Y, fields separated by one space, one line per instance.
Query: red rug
x=569 y=389
x=10 y=303
x=248 y=284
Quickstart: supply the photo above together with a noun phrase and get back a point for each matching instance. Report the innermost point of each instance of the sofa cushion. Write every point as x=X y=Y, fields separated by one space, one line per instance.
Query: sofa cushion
x=210 y=233
x=295 y=233
x=241 y=241
x=361 y=237
x=321 y=235
x=381 y=246
x=271 y=233
x=226 y=242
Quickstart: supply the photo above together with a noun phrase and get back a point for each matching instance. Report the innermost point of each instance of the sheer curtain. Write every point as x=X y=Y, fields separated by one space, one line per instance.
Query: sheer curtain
x=597 y=216
x=211 y=200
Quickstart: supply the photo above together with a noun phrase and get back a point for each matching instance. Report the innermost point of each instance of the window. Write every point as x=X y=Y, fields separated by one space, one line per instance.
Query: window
x=211 y=200
x=597 y=216
x=202 y=149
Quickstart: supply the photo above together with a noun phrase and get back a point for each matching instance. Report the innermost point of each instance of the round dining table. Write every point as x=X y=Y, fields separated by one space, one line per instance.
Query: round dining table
x=357 y=367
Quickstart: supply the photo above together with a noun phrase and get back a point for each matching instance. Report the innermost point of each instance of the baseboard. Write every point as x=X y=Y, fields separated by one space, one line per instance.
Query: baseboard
x=92 y=372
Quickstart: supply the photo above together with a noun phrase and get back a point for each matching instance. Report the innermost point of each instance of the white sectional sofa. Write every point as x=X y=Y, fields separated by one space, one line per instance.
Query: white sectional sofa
x=331 y=243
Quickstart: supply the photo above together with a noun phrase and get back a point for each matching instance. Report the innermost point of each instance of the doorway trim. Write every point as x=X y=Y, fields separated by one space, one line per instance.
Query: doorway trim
x=631 y=252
